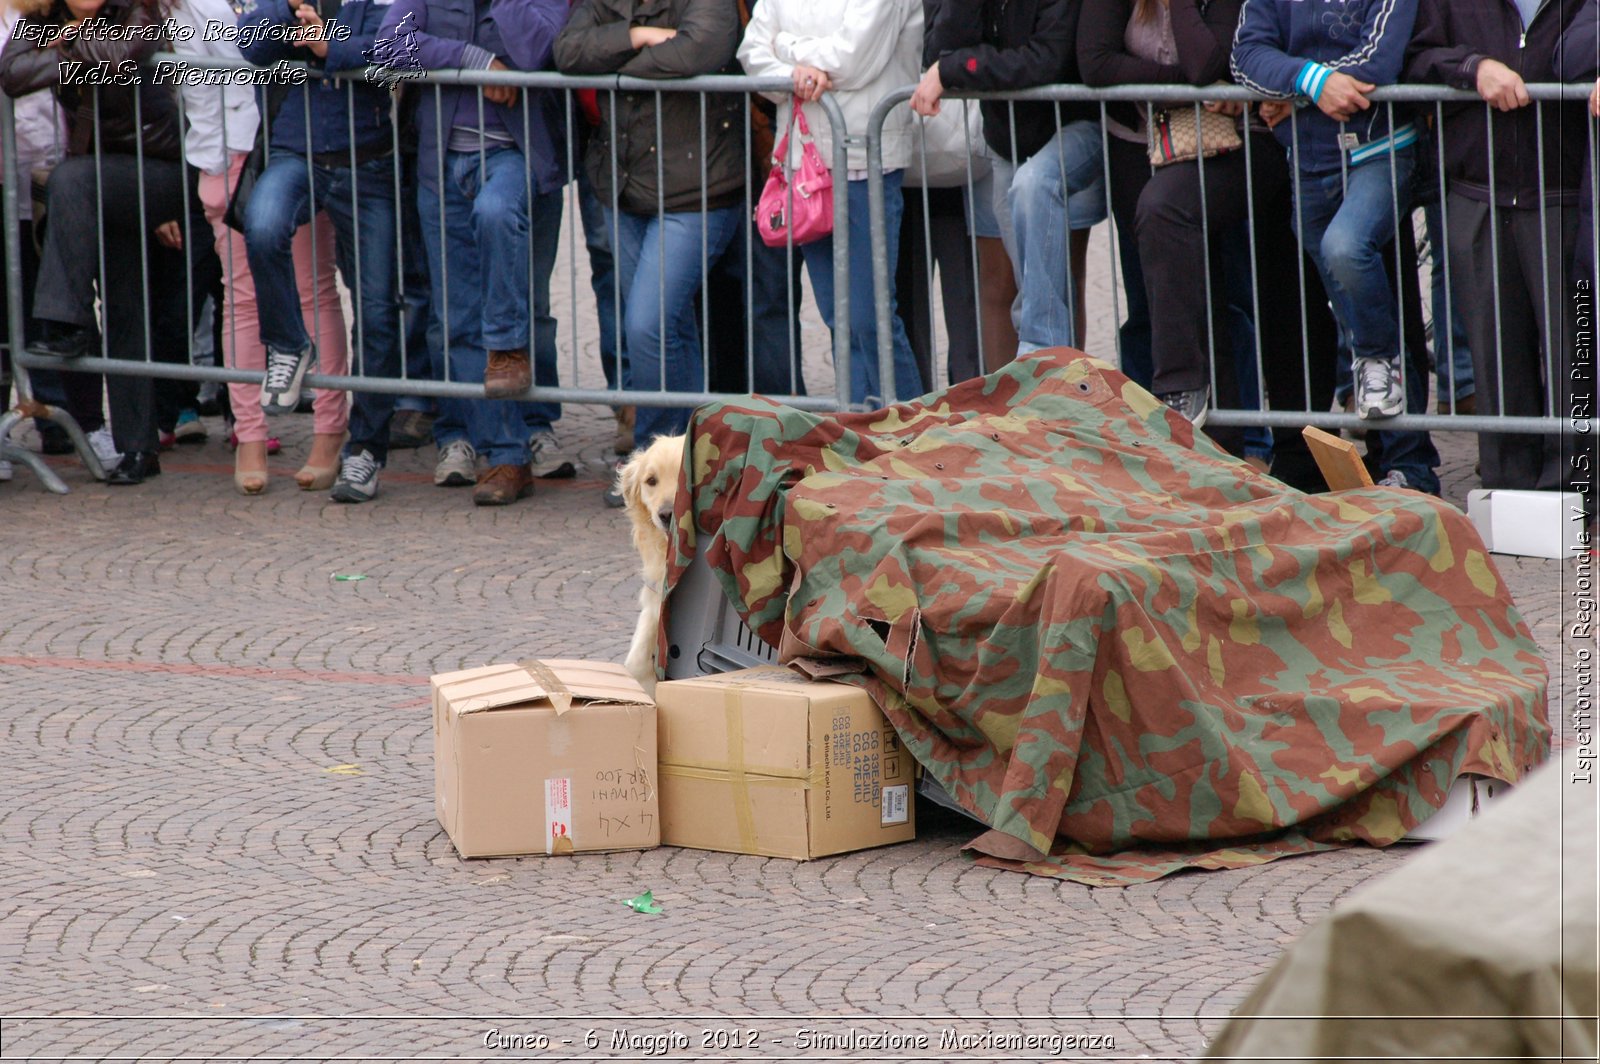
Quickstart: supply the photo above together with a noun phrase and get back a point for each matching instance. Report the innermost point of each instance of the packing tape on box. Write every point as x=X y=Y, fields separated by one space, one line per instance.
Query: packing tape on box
x=560 y=696
x=736 y=773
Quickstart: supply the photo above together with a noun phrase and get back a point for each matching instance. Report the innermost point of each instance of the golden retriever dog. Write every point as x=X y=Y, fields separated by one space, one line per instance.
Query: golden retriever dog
x=648 y=483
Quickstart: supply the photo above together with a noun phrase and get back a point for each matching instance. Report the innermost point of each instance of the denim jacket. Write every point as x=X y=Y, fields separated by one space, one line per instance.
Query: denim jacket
x=330 y=113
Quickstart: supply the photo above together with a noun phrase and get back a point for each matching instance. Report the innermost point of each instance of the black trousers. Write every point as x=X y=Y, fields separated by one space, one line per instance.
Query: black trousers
x=144 y=285
x=944 y=245
x=1522 y=343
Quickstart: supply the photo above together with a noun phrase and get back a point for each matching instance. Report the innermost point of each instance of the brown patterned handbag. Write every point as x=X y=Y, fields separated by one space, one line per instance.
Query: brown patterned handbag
x=1176 y=136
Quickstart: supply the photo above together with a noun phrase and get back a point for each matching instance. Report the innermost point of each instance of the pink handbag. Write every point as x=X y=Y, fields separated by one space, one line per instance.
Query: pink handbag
x=802 y=210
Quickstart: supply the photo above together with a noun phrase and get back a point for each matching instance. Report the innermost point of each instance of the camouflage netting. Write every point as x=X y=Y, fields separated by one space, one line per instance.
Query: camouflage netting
x=1124 y=650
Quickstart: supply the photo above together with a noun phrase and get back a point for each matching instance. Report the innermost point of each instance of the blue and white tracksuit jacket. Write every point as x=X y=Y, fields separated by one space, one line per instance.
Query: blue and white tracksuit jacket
x=1289 y=48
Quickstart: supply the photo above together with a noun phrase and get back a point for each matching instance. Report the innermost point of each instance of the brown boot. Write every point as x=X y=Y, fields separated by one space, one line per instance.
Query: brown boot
x=508 y=375
x=625 y=415
x=502 y=485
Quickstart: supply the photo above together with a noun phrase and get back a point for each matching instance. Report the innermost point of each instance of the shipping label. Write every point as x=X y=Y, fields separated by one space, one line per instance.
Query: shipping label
x=558 y=816
x=896 y=801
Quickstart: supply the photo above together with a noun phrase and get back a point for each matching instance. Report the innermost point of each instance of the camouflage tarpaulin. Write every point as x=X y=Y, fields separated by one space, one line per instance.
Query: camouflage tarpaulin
x=1124 y=650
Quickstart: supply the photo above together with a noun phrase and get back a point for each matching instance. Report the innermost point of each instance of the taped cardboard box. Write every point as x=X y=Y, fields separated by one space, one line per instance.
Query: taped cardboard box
x=544 y=757
x=764 y=761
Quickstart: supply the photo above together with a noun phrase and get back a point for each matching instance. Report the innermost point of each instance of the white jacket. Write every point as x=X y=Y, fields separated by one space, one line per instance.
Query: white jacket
x=41 y=132
x=222 y=119
x=866 y=47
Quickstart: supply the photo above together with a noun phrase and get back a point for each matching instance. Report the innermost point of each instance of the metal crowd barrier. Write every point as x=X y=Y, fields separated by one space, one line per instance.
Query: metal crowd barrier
x=1265 y=414
x=573 y=344
x=1269 y=414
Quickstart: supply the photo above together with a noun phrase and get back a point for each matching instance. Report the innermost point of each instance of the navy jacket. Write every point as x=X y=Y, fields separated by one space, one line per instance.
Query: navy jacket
x=1288 y=49
x=330 y=114
x=468 y=35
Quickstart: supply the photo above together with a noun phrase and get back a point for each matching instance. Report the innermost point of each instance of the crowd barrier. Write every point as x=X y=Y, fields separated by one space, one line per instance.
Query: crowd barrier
x=730 y=369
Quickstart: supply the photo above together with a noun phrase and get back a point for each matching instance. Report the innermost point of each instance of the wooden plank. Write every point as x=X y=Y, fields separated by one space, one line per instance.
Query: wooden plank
x=1338 y=460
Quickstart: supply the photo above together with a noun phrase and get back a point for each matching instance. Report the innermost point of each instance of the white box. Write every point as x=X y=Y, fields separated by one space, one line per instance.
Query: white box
x=1534 y=524
x=1468 y=797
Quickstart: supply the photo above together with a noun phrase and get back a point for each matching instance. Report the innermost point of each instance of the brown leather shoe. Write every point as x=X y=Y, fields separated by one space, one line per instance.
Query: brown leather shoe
x=503 y=485
x=623 y=442
x=508 y=374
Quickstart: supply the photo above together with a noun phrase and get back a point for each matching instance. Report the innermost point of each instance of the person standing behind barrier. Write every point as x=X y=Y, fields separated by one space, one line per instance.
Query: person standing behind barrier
x=476 y=161
x=123 y=158
x=1353 y=181
x=331 y=147
x=1578 y=59
x=860 y=51
x=1511 y=235
x=1049 y=179
x=222 y=125
x=671 y=206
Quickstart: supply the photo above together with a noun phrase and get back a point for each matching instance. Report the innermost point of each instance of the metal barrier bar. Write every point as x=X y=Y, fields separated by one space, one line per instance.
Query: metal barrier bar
x=1398 y=258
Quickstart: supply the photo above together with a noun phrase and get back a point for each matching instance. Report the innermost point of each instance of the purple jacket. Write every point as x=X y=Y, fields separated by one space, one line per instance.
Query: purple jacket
x=468 y=35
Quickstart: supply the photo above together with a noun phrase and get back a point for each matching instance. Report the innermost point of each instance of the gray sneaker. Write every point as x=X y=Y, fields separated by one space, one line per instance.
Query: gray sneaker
x=458 y=465
x=1394 y=479
x=1378 y=391
x=1192 y=405
x=358 y=478
x=286 y=371
x=547 y=459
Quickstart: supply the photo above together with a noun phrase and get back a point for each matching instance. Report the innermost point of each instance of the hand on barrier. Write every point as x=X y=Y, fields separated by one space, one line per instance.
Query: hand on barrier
x=810 y=83
x=1500 y=86
x=1275 y=111
x=1231 y=108
x=504 y=95
x=925 y=101
x=1342 y=96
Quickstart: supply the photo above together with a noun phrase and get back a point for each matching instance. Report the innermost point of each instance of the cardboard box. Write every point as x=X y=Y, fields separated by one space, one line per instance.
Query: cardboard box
x=765 y=761
x=1534 y=524
x=544 y=757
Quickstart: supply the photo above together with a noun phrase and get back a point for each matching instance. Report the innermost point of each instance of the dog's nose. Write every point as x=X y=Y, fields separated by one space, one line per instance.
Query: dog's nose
x=665 y=517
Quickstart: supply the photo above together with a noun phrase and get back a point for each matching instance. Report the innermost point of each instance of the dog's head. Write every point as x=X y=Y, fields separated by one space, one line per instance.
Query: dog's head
x=648 y=483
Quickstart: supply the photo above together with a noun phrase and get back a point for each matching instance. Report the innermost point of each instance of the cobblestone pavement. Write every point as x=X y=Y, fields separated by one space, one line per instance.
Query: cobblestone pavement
x=217 y=834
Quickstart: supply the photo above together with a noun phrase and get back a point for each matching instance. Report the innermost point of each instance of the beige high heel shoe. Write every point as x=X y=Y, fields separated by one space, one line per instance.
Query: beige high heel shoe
x=250 y=468
x=322 y=464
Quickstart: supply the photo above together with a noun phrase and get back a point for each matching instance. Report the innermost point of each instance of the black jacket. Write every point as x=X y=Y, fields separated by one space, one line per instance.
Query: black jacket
x=1452 y=37
x=27 y=66
x=595 y=41
x=997 y=45
x=1203 y=33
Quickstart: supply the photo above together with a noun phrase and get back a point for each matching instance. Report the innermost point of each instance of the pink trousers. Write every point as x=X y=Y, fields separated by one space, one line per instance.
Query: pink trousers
x=241 y=324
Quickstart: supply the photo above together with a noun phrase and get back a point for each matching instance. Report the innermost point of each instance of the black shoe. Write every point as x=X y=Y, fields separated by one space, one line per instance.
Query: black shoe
x=135 y=467
x=53 y=439
x=68 y=341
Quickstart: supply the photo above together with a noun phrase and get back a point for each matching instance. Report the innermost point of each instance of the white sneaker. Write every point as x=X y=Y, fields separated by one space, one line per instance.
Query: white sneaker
x=6 y=471
x=458 y=465
x=358 y=478
x=25 y=434
x=1378 y=391
x=286 y=370
x=104 y=448
x=547 y=459
x=1394 y=479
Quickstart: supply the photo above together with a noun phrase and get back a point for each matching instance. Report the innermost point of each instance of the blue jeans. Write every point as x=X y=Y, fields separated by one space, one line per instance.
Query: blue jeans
x=424 y=349
x=479 y=264
x=1344 y=221
x=602 y=278
x=658 y=260
x=360 y=202
x=1061 y=187
x=866 y=387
